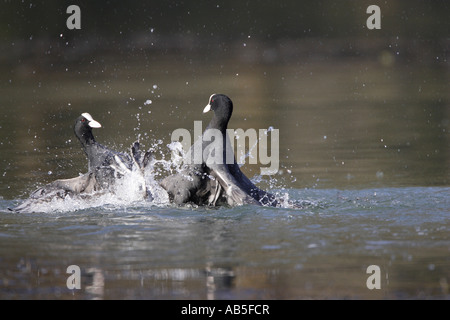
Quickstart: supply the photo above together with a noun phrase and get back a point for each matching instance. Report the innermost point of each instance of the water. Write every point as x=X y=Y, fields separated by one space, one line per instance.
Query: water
x=322 y=251
x=365 y=145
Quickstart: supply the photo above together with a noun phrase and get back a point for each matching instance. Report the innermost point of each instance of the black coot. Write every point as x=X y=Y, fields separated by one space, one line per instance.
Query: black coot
x=97 y=154
x=104 y=167
x=214 y=180
x=105 y=163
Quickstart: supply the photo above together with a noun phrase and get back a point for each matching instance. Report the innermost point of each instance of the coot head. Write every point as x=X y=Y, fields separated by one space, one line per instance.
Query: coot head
x=83 y=128
x=222 y=106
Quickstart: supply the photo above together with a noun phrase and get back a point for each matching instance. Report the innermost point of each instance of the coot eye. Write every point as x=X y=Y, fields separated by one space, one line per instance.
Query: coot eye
x=83 y=120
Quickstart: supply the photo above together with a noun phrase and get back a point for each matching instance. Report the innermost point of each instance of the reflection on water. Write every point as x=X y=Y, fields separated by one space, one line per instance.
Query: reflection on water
x=322 y=251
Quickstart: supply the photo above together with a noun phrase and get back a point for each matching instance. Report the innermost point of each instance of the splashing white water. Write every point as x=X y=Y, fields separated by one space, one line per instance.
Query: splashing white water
x=140 y=186
x=133 y=188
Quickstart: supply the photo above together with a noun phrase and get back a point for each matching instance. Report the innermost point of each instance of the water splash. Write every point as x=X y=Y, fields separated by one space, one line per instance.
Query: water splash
x=140 y=184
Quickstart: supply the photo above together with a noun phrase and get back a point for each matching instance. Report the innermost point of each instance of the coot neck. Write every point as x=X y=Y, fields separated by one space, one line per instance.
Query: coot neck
x=220 y=123
x=86 y=138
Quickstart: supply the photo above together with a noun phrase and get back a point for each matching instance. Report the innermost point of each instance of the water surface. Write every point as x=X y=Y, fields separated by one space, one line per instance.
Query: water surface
x=322 y=251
